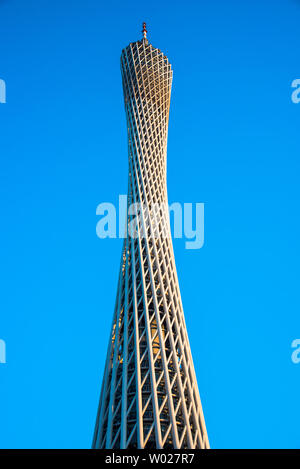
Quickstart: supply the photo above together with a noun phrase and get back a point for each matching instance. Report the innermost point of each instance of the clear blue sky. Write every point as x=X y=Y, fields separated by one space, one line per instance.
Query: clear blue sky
x=233 y=144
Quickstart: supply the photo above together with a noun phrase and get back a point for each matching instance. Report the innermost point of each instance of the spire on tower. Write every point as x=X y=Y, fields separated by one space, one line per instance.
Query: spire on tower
x=144 y=31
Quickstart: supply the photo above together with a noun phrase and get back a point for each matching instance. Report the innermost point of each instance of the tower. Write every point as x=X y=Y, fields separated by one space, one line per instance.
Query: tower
x=149 y=396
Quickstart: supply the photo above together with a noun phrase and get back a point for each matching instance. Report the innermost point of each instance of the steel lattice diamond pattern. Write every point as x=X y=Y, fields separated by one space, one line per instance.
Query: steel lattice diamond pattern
x=149 y=396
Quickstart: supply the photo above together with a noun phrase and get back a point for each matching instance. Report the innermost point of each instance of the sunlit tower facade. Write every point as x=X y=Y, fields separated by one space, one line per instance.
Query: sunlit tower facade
x=149 y=396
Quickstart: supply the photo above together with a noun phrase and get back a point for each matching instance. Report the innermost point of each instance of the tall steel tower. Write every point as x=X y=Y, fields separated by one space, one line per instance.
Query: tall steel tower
x=149 y=396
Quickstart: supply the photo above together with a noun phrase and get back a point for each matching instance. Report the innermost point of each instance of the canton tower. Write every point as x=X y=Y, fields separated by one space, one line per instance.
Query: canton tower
x=149 y=396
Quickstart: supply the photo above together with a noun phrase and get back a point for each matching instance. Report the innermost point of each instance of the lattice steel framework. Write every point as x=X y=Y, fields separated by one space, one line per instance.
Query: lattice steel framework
x=149 y=396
